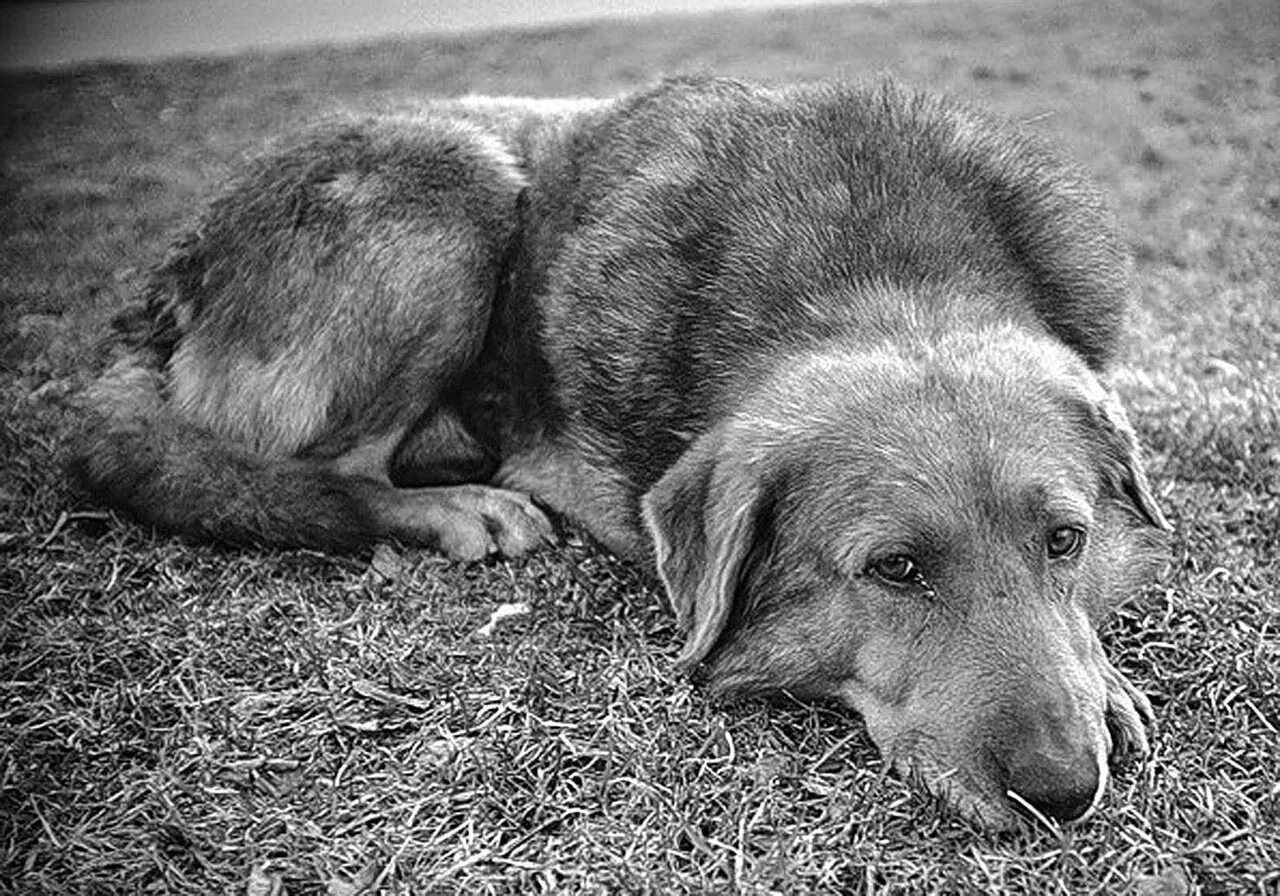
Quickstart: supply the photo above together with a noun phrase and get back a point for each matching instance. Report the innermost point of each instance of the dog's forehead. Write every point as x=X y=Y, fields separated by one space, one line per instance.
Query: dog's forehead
x=964 y=439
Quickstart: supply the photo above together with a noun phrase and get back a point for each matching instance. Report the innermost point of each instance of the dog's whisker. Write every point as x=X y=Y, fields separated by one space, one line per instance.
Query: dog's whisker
x=1052 y=826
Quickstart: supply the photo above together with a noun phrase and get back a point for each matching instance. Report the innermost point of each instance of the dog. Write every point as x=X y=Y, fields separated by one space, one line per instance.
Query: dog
x=830 y=359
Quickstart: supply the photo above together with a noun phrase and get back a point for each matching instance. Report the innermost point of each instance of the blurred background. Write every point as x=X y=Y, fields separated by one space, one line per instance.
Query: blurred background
x=62 y=32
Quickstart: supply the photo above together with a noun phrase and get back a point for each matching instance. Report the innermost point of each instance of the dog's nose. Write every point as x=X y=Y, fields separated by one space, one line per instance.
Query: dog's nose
x=1061 y=790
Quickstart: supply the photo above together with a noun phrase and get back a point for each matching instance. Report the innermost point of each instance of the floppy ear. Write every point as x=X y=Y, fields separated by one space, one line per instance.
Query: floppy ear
x=702 y=517
x=1122 y=463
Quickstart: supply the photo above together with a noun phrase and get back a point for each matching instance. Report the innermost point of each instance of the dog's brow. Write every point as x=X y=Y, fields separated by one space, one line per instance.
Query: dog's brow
x=880 y=533
x=1059 y=503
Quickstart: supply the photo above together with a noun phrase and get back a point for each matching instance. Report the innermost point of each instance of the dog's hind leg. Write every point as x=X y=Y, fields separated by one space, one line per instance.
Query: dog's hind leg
x=308 y=327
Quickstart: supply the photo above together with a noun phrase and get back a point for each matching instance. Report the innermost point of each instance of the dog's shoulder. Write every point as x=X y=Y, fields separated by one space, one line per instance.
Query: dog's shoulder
x=703 y=227
x=803 y=190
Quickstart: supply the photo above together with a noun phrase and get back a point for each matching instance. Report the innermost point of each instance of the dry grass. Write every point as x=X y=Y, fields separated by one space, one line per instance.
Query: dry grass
x=176 y=718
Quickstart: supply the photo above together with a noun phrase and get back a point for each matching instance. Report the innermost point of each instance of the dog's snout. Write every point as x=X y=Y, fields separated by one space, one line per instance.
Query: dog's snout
x=1053 y=759
x=1062 y=789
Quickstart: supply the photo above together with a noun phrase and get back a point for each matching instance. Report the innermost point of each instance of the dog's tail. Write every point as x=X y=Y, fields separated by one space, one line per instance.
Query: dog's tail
x=132 y=452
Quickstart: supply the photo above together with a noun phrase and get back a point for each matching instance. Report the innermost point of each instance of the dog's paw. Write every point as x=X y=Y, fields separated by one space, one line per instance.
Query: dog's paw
x=465 y=522
x=1128 y=714
x=484 y=520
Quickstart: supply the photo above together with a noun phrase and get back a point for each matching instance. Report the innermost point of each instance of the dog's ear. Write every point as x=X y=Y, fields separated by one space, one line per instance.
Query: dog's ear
x=702 y=515
x=1122 y=461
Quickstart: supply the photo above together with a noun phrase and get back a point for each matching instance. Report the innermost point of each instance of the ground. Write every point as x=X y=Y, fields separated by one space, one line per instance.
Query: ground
x=181 y=718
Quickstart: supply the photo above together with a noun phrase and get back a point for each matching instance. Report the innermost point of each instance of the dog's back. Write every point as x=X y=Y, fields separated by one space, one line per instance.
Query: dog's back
x=713 y=221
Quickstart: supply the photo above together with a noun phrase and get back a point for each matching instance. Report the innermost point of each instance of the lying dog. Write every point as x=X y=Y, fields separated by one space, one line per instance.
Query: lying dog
x=831 y=359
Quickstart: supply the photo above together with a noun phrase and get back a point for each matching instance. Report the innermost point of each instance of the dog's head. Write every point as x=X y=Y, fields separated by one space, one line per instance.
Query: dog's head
x=930 y=537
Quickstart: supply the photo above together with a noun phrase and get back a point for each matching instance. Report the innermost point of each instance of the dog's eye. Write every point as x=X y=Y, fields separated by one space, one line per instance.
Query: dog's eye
x=1065 y=541
x=898 y=569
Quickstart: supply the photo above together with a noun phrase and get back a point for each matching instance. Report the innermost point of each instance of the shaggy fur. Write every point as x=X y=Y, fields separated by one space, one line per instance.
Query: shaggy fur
x=831 y=359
